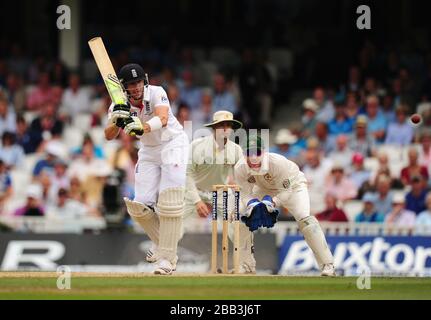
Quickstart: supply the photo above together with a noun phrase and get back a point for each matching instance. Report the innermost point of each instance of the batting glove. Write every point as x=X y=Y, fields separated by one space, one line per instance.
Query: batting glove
x=269 y=203
x=250 y=205
x=120 y=112
x=134 y=127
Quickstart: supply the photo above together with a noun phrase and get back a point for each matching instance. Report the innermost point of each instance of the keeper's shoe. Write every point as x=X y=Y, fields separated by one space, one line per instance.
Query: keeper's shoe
x=328 y=270
x=164 y=267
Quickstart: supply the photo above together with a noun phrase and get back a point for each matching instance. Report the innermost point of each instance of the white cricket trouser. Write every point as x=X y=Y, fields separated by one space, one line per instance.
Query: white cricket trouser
x=160 y=168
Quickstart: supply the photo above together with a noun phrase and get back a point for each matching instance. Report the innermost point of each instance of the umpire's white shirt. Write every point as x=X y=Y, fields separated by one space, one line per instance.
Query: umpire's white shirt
x=209 y=165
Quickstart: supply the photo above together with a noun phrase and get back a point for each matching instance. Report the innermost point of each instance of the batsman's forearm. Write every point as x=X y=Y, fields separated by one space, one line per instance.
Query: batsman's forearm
x=111 y=131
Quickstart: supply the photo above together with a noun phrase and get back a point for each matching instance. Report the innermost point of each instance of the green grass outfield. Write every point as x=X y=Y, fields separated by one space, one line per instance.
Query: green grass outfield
x=127 y=286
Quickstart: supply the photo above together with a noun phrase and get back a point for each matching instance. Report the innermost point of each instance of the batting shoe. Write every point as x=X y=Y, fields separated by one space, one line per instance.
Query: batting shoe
x=164 y=267
x=151 y=256
x=328 y=270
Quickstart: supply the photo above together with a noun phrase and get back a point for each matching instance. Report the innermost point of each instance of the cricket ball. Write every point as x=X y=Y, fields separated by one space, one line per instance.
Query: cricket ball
x=416 y=119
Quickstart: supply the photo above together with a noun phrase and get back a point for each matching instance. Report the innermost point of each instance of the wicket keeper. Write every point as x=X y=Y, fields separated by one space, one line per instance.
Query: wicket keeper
x=274 y=181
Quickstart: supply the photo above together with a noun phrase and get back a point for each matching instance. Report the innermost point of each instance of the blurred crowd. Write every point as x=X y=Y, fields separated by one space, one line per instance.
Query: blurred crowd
x=54 y=160
x=365 y=146
x=356 y=143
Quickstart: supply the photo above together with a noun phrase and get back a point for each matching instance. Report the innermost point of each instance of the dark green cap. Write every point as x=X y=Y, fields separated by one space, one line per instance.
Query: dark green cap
x=254 y=144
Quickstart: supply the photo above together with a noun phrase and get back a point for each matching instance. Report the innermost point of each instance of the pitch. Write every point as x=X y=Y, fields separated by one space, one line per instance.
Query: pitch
x=207 y=287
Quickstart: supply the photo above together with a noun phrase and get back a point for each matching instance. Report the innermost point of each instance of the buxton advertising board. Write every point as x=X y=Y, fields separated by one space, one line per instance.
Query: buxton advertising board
x=387 y=255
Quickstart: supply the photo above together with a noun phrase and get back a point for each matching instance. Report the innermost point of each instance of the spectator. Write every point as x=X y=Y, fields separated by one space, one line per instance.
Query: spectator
x=309 y=120
x=352 y=106
x=53 y=152
x=97 y=150
x=342 y=154
x=340 y=124
x=381 y=168
x=59 y=74
x=5 y=181
x=339 y=185
x=223 y=98
x=16 y=92
x=384 y=194
x=124 y=160
x=376 y=120
x=325 y=142
x=354 y=81
x=316 y=170
x=11 y=153
x=399 y=216
x=424 y=218
x=48 y=125
x=7 y=117
x=388 y=108
x=183 y=114
x=415 y=199
x=101 y=106
x=425 y=150
x=34 y=205
x=400 y=132
x=332 y=213
x=370 y=86
x=68 y=208
x=174 y=98
x=18 y=62
x=59 y=178
x=359 y=175
x=49 y=196
x=326 y=107
x=369 y=214
x=76 y=99
x=424 y=110
x=76 y=190
x=203 y=114
x=189 y=93
x=27 y=139
x=284 y=142
x=413 y=168
x=361 y=141
x=86 y=165
x=42 y=94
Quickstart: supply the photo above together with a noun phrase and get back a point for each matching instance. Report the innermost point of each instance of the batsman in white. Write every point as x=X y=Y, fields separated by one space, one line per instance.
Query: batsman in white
x=211 y=162
x=160 y=173
x=277 y=182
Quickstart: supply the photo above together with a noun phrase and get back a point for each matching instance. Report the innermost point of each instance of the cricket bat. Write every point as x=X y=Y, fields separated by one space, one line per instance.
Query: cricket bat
x=113 y=85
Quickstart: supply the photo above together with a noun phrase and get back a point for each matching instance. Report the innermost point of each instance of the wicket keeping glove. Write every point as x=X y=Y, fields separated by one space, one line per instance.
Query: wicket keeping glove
x=260 y=217
x=250 y=205
x=133 y=126
x=119 y=114
x=267 y=200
